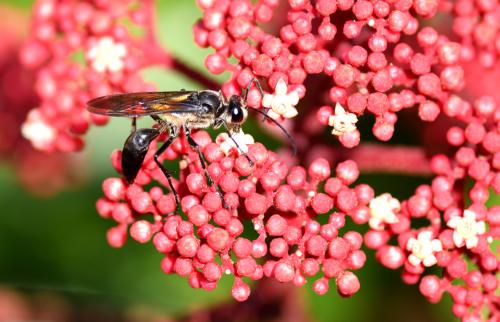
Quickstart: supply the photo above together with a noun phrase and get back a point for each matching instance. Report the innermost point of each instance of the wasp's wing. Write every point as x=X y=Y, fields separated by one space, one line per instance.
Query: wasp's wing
x=146 y=103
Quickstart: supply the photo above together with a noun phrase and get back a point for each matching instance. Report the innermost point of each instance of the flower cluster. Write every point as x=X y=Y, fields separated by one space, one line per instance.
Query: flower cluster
x=38 y=172
x=372 y=71
x=477 y=24
x=452 y=238
x=380 y=61
x=284 y=204
x=82 y=50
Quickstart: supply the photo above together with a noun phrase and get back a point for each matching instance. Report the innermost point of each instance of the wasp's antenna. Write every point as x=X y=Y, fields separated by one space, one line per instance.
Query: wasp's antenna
x=288 y=135
x=256 y=81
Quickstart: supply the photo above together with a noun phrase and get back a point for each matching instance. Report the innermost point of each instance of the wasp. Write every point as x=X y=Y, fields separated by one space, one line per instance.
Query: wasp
x=173 y=112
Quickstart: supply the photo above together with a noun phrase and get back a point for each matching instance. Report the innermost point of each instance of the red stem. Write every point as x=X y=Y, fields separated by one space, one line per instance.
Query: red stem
x=193 y=74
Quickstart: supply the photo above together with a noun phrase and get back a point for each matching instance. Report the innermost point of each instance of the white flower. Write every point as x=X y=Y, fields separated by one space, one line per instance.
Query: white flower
x=37 y=131
x=466 y=229
x=281 y=103
x=383 y=210
x=342 y=121
x=107 y=54
x=423 y=249
x=227 y=145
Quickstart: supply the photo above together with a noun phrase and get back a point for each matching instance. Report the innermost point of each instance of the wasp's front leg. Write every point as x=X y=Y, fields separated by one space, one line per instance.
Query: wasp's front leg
x=203 y=162
x=229 y=131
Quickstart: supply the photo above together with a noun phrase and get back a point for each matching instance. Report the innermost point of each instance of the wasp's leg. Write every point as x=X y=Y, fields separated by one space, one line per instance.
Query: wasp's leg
x=134 y=151
x=203 y=162
x=239 y=148
x=134 y=124
x=256 y=81
x=229 y=133
x=168 y=175
x=259 y=87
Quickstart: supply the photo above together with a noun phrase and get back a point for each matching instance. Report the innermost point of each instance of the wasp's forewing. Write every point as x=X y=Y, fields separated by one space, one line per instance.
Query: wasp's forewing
x=145 y=103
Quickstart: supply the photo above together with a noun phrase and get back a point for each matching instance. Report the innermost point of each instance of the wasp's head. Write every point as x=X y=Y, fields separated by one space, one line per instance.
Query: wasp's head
x=236 y=112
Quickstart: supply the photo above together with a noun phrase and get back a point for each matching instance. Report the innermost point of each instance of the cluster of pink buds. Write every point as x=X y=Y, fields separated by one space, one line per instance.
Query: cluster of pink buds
x=38 y=172
x=372 y=69
x=81 y=50
x=478 y=24
x=285 y=205
x=458 y=238
x=380 y=61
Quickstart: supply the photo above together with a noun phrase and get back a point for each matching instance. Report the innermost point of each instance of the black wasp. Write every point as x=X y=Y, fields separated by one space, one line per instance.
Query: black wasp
x=173 y=111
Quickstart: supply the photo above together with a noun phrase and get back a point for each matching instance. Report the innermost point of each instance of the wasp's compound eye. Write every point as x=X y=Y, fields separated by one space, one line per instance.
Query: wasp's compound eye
x=237 y=114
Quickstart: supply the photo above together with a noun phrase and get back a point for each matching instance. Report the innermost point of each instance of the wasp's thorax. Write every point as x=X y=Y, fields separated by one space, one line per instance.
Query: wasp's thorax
x=210 y=101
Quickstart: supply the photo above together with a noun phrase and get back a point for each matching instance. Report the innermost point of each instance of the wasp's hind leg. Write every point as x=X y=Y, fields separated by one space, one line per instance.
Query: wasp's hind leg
x=203 y=162
x=168 y=175
x=134 y=151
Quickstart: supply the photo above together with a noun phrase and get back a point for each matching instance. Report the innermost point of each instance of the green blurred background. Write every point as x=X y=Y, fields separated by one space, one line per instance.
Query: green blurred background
x=56 y=246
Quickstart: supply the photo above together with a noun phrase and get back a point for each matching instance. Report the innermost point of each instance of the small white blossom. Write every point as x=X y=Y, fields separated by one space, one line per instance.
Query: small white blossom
x=107 y=54
x=281 y=103
x=466 y=229
x=227 y=145
x=423 y=249
x=383 y=211
x=342 y=121
x=37 y=131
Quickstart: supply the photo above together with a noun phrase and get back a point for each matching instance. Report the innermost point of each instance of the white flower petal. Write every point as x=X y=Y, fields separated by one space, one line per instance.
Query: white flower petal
x=458 y=240
x=281 y=87
x=339 y=109
x=294 y=98
x=375 y=223
x=291 y=112
x=453 y=222
x=437 y=246
x=430 y=260
x=273 y=114
x=469 y=214
x=425 y=235
x=471 y=242
x=121 y=50
x=480 y=228
x=99 y=66
x=410 y=243
x=414 y=260
x=267 y=100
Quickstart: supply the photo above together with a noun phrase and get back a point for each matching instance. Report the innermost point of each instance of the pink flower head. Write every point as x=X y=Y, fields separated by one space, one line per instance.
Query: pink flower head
x=286 y=248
